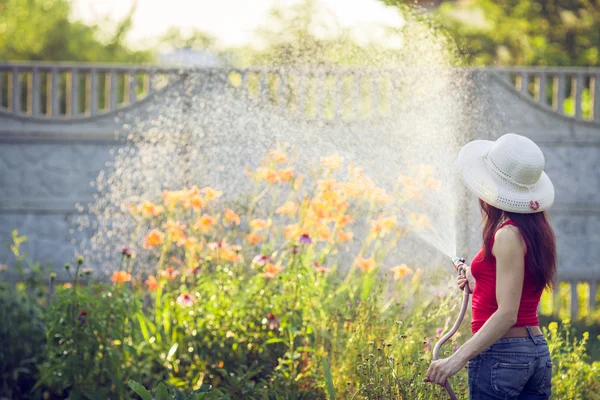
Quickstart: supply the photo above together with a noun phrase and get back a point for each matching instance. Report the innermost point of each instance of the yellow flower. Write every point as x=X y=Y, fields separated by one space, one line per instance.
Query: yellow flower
x=228 y=254
x=332 y=162
x=231 y=216
x=553 y=326
x=298 y=182
x=253 y=238
x=401 y=271
x=259 y=224
x=289 y=208
x=193 y=199
x=211 y=193
x=205 y=223
x=345 y=236
x=121 y=277
x=153 y=239
x=149 y=209
x=365 y=264
x=278 y=156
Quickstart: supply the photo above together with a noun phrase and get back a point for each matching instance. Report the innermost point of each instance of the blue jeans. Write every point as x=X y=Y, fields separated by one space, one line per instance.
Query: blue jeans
x=512 y=369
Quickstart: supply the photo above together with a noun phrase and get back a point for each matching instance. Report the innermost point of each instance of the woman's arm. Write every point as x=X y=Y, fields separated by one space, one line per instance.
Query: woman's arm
x=509 y=250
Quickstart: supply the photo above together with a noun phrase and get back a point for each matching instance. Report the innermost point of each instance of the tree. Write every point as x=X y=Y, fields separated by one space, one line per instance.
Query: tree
x=43 y=30
x=523 y=32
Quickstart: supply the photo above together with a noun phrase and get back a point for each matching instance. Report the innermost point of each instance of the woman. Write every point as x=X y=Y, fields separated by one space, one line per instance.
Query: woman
x=508 y=356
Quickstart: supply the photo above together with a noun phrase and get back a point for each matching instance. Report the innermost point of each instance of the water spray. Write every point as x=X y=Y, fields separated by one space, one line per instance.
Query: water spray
x=459 y=265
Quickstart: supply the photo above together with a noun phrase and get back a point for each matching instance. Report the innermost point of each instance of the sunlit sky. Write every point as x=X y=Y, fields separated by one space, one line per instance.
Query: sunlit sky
x=232 y=22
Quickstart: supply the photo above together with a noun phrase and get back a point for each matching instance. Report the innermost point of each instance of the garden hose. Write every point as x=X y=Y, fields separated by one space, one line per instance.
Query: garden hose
x=459 y=265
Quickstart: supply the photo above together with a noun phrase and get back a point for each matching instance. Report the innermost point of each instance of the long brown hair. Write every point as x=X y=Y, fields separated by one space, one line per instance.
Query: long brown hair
x=540 y=260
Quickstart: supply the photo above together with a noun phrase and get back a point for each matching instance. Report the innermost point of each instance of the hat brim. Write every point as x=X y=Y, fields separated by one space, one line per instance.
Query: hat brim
x=496 y=190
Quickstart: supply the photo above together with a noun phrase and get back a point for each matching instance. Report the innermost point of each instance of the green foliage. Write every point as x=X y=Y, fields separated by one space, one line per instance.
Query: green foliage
x=524 y=32
x=43 y=30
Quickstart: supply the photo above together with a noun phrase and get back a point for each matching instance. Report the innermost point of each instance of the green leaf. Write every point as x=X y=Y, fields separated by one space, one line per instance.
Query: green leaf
x=328 y=380
x=274 y=340
x=179 y=395
x=143 y=327
x=140 y=390
x=161 y=392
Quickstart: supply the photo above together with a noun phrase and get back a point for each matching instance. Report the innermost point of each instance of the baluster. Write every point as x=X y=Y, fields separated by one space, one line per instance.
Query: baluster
x=148 y=82
x=592 y=299
x=375 y=96
x=92 y=92
x=263 y=86
x=338 y=96
x=542 y=89
x=356 y=94
x=578 y=88
x=74 y=109
x=114 y=91
x=55 y=92
x=300 y=93
x=559 y=92
x=35 y=92
x=15 y=99
x=524 y=83
x=556 y=300
x=132 y=87
x=574 y=300
x=1 y=88
x=282 y=91
x=319 y=94
x=595 y=92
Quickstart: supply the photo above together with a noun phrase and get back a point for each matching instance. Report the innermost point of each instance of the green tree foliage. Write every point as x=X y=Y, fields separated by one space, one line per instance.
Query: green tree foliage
x=43 y=30
x=523 y=32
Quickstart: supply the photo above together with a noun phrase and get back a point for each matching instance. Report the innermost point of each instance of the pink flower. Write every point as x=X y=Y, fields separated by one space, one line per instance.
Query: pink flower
x=273 y=321
x=186 y=299
x=305 y=239
x=262 y=259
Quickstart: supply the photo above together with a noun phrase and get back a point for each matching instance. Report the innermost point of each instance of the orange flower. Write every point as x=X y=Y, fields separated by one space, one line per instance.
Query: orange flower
x=187 y=242
x=171 y=198
x=345 y=236
x=266 y=174
x=259 y=224
x=121 y=277
x=366 y=264
x=231 y=216
x=253 y=238
x=292 y=231
x=271 y=271
x=322 y=232
x=401 y=271
x=228 y=254
x=285 y=175
x=169 y=273
x=278 y=156
x=211 y=193
x=205 y=223
x=344 y=220
x=332 y=162
x=193 y=199
x=383 y=225
x=176 y=232
x=419 y=220
x=67 y=285
x=416 y=277
x=152 y=283
x=154 y=238
x=289 y=208
x=149 y=209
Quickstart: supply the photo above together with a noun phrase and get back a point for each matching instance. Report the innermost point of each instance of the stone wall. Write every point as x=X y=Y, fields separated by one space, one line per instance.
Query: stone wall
x=47 y=166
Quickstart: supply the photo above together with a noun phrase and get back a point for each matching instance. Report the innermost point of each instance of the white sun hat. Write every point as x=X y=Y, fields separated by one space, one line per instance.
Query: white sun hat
x=507 y=174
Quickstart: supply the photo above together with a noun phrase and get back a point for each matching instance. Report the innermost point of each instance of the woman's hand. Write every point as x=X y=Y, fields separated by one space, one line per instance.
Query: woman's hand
x=461 y=280
x=441 y=370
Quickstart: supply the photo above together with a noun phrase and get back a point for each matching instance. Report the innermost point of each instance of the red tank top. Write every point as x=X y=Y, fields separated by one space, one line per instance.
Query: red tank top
x=484 y=302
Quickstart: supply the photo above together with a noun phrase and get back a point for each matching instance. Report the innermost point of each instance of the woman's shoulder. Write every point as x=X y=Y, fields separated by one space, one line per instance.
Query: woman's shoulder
x=508 y=237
